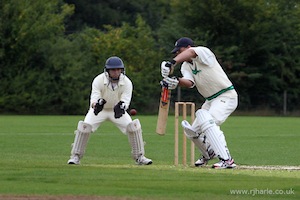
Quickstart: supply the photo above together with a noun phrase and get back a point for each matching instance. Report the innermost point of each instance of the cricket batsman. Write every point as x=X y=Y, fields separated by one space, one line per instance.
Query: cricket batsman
x=201 y=69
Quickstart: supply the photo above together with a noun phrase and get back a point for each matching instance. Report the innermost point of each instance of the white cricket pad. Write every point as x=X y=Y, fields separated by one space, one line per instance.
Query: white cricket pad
x=198 y=139
x=135 y=138
x=81 y=138
x=188 y=130
x=210 y=129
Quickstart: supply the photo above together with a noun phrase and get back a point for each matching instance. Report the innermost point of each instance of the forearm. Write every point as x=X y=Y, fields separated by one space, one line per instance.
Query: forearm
x=127 y=94
x=186 y=55
x=185 y=83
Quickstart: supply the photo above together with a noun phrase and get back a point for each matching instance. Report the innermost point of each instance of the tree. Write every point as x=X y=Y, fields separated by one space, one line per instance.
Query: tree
x=28 y=30
x=257 y=43
x=47 y=72
x=136 y=46
x=97 y=14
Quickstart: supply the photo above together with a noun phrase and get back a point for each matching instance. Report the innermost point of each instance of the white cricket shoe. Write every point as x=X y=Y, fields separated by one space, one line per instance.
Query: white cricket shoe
x=201 y=162
x=142 y=160
x=224 y=164
x=74 y=160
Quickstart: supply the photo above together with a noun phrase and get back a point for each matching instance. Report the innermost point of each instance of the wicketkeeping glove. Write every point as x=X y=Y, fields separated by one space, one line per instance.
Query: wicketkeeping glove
x=98 y=107
x=171 y=83
x=119 y=109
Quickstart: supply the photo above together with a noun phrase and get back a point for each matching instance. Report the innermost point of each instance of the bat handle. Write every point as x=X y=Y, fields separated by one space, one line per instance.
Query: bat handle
x=164 y=84
x=171 y=70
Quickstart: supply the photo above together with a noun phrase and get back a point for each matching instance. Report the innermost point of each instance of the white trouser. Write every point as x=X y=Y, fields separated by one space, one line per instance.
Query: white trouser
x=107 y=115
x=221 y=107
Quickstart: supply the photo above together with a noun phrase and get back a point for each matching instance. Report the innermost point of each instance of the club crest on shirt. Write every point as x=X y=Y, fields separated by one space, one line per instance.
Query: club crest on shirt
x=195 y=71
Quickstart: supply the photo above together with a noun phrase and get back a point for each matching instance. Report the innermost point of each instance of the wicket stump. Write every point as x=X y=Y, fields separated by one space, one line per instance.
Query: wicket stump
x=183 y=105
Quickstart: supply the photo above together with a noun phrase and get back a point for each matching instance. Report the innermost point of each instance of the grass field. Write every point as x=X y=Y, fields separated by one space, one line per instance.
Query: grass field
x=35 y=149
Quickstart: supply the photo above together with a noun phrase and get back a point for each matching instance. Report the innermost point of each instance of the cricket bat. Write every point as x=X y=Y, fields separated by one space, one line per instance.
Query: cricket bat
x=163 y=111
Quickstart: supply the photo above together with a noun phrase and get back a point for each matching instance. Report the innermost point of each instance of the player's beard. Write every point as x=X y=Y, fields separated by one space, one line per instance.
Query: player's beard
x=114 y=76
x=112 y=79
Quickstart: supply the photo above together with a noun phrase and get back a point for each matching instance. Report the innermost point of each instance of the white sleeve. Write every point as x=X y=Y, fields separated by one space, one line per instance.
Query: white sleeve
x=127 y=94
x=186 y=73
x=96 y=89
x=205 y=55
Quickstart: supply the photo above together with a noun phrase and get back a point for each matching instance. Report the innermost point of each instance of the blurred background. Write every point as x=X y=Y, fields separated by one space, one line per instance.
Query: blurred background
x=50 y=51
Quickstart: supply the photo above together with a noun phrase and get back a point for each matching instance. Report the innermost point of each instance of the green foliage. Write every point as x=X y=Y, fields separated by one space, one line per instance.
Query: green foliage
x=56 y=70
x=35 y=149
x=50 y=52
x=31 y=30
x=97 y=14
x=136 y=46
x=250 y=38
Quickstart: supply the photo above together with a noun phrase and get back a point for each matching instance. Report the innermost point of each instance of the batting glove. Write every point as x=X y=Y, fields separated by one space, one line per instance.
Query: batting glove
x=98 y=107
x=171 y=83
x=166 y=67
x=119 y=109
x=165 y=71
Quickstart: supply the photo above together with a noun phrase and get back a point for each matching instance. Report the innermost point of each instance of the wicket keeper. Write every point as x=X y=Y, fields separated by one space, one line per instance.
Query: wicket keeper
x=110 y=98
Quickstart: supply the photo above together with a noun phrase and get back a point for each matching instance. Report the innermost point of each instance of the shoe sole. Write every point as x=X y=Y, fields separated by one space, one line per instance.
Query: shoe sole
x=73 y=163
x=149 y=163
x=226 y=167
x=201 y=165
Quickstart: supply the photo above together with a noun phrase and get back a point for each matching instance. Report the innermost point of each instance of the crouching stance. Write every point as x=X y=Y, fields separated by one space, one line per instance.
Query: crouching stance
x=110 y=98
x=135 y=138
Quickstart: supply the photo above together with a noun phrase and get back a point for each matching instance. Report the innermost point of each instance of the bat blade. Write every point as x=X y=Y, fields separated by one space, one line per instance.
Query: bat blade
x=163 y=111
